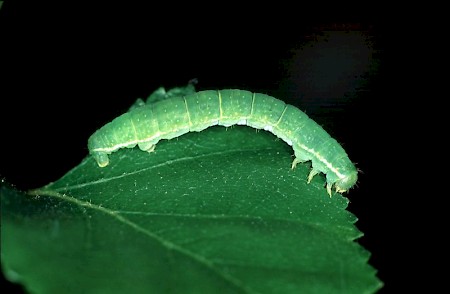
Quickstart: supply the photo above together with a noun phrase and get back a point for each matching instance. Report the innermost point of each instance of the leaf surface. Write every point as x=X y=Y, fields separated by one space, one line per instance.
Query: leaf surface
x=219 y=211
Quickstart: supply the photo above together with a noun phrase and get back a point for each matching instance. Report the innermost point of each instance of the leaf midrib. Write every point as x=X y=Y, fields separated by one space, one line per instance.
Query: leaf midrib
x=168 y=162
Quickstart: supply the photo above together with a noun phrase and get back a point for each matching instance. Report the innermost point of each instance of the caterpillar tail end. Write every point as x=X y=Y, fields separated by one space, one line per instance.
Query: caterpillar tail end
x=101 y=158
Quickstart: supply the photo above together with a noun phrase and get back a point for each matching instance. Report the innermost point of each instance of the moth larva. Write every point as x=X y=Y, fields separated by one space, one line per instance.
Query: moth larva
x=168 y=118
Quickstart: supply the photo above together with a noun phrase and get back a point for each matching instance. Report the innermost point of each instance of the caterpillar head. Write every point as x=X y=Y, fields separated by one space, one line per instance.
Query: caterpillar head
x=345 y=183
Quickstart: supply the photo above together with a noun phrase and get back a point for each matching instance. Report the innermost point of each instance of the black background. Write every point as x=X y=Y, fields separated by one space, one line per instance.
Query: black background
x=68 y=68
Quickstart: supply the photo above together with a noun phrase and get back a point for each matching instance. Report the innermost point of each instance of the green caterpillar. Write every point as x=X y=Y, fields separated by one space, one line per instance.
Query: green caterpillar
x=189 y=111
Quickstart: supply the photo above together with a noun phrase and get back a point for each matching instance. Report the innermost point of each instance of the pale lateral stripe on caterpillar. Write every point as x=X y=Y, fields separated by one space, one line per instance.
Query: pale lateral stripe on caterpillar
x=169 y=118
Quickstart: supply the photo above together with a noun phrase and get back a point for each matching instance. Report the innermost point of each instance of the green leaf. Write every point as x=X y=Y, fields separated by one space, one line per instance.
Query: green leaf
x=219 y=211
